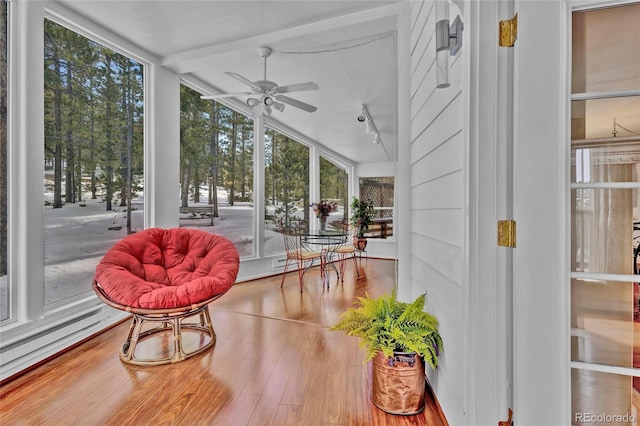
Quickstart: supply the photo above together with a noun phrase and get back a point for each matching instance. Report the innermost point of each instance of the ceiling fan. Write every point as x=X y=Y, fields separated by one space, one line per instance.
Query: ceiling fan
x=267 y=94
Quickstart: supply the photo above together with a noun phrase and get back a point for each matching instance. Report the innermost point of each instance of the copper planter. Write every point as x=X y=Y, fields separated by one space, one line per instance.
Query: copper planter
x=398 y=383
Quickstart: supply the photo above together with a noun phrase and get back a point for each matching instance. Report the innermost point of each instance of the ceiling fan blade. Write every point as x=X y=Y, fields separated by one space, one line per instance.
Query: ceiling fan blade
x=296 y=103
x=244 y=80
x=299 y=87
x=226 y=95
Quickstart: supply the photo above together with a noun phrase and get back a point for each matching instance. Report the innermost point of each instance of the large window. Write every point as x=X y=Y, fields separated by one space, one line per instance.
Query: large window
x=286 y=186
x=93 y=170
x=4 y=283
x=334 y=186
x=216 y=170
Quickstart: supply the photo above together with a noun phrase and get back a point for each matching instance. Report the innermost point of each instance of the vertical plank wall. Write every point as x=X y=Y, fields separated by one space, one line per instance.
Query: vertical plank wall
x=437 y=202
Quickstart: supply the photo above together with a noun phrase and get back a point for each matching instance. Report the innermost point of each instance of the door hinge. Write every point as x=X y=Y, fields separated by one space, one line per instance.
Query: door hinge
x=508 y=422
x=508 y=32
x=507 y=233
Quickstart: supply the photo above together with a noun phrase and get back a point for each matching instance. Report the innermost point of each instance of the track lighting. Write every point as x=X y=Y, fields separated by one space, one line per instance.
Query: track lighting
x=362 y=117
x=369 y=126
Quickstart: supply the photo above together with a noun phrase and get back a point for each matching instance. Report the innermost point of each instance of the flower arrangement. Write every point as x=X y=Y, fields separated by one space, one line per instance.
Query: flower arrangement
x=323 y=208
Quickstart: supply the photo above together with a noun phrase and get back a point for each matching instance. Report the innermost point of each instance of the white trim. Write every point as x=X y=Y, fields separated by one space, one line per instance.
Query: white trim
x=608 y=185
x=58 y=13
x=542 y=379
x=196 y=59
x=587 y=276
x=604 y=95
x=402 y=190
x=625 y=371
x=579 y=5
x=26 y=215
x=488 y=394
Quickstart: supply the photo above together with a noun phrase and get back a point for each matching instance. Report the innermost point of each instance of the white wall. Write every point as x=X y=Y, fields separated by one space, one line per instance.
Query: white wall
x=437 y=203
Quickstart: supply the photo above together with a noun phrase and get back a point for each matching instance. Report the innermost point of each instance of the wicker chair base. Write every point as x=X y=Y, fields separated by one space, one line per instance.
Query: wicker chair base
x=169 y=323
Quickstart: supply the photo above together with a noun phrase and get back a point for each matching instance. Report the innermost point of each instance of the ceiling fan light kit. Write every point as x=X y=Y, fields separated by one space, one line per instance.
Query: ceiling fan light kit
x=269 y=94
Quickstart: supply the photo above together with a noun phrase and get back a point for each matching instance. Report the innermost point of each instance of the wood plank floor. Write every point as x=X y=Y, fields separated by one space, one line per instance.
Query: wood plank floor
x=274 y=363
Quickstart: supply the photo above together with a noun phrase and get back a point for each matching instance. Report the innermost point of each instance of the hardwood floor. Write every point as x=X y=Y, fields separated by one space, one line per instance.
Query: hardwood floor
x=274 y=363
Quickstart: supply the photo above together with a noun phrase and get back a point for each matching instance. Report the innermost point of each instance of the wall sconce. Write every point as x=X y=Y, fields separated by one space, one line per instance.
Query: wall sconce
x=448 y=42
x=365 y=118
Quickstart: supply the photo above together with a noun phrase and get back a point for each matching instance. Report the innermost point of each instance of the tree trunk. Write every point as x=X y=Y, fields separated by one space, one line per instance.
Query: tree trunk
x=108 y=136
x=185 y=187
x=243 y=189
x=129 y=147
x=57 y=161
x=196 y=184
x=92 y=153
x=123 y=153
x=214 y=117
x=3 y=140
x=78 y=174
x=69 y=186
x=232 y=161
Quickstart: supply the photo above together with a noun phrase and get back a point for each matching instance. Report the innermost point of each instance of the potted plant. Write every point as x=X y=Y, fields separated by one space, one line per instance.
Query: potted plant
x=362 y=212
x=398 y=338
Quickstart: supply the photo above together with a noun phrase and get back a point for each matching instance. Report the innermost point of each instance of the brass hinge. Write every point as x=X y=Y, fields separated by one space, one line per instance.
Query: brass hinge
x=508 y=32
x=507 y=233
x=508 y=422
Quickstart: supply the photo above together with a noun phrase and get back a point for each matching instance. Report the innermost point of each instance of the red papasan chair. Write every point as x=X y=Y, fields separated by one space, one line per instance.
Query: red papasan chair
x=165 y=276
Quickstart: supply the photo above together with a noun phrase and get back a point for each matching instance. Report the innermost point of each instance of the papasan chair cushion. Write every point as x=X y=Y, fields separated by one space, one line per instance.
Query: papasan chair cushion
x=167 y=268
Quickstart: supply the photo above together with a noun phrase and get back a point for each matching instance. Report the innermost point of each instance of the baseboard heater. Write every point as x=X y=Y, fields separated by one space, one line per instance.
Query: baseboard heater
x=278 y=264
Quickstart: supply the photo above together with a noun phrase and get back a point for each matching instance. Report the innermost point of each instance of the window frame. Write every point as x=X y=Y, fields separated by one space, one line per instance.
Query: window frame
x=34 y=331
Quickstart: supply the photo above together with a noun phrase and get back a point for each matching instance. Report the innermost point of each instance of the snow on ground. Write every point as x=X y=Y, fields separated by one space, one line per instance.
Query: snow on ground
x=77 y=236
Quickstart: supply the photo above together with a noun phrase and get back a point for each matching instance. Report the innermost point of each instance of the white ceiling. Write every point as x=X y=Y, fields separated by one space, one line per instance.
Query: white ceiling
x=202 y=39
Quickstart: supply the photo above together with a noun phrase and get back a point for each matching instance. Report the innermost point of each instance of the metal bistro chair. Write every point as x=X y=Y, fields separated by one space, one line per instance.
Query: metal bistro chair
x=343 y=251
x=292 y=233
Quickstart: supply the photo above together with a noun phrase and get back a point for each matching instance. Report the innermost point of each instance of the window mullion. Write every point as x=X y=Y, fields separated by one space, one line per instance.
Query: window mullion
x=25 y=136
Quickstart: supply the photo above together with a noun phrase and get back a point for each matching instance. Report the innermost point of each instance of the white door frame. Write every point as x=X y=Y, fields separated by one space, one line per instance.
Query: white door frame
x=542 y=381
x=489 y=339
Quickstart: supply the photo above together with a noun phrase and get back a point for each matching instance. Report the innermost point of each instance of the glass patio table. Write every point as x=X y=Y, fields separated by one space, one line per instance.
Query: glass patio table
x=329 y=241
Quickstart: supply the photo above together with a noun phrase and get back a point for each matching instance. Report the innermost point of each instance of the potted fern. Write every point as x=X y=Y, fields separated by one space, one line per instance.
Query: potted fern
x=398 y=339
